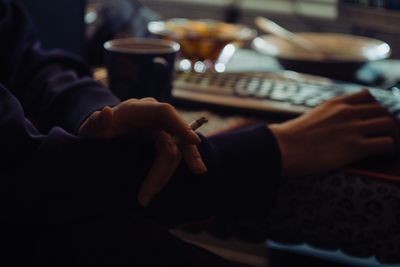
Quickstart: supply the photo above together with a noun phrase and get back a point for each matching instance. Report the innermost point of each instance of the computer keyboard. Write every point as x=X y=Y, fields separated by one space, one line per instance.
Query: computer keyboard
x=286 y=93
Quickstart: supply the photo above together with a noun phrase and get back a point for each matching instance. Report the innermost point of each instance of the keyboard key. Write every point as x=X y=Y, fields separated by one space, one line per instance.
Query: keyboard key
x=279 y=95
x=298 y=100
x=263 y=92
x=313 y=102
x=292 y=88
x=242 y=92
x=279 y=86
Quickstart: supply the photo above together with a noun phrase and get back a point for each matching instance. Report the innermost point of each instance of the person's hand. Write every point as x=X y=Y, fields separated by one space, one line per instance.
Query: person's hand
x=341 y=131
x=160 y=120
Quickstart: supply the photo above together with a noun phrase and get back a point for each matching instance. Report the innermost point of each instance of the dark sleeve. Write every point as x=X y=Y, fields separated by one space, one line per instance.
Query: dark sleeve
x=58 y=177
x=249 y=164
x=244 y=170
x=54 y=87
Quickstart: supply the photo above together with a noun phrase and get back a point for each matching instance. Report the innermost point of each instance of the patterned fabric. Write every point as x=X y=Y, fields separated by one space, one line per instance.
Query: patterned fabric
x=356 y=214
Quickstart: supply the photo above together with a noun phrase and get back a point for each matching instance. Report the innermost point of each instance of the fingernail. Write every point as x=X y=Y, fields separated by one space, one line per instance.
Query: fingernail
x=200 y=166
x=196 y=136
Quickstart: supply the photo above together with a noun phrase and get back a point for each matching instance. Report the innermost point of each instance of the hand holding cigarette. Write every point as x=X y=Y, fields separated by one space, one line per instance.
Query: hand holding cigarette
x=173 y=138
x=164 y=165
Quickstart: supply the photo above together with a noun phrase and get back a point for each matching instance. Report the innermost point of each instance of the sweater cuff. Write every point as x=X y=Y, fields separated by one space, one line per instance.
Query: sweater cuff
x=95 y=98
x=250 y=166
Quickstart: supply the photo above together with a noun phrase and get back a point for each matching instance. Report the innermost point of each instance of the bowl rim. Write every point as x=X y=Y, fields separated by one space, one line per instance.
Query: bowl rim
x=158 y=28
x=170 y=46
x=259 y=44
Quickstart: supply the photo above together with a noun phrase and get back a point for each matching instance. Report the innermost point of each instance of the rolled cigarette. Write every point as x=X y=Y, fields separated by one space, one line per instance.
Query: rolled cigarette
x=194 y=125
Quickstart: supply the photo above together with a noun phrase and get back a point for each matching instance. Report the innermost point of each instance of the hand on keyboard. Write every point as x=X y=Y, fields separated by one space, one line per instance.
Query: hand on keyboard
x=340 y=131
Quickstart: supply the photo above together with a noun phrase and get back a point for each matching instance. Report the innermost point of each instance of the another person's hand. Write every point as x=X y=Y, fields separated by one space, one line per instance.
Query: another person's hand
x=160 y=120
x=341 y=131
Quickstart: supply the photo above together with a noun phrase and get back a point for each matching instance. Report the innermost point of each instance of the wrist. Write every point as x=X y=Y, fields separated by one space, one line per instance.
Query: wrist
x=283 y=138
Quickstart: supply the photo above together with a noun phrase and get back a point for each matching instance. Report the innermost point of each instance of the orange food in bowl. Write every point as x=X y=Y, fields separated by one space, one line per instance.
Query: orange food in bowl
x=201 y=40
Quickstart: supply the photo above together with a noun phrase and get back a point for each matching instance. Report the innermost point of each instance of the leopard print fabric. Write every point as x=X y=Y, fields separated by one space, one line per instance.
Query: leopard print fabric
x=356 y=214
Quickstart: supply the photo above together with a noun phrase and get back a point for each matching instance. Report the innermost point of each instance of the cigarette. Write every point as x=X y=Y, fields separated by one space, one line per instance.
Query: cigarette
x=194 y=125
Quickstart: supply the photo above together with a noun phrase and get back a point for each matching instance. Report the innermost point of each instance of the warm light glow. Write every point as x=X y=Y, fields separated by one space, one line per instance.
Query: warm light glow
x=185 y=65
x=90 y=17
x=376 y=52
x=383 y=49
x=220 y=67
x=227 y=53
x=199 y=67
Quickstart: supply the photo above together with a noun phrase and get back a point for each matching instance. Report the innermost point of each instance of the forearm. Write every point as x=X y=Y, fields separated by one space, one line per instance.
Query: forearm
x=71 y=179
x=242 y=179
x=67 y=178
x=58 y=177
x=250 y=165
x=62 y=177
x=54 y=87
x=58 y=89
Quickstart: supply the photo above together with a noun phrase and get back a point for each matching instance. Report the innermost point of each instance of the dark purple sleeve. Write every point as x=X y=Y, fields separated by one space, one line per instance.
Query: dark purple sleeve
x=244 y=169
x=250 y=168
x=58 y=177
x=54 y=87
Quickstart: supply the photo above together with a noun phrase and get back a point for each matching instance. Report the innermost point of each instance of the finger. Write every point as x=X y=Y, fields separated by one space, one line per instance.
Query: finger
x=173 y=123
x=377 y=126
x=165 y=163
x=104 y=123
x=99 y=124
x=361 y=97
x=106 y=117
x=90 y=124
x=154 y=116
x=149 y=99
x=366 y=111
x=193 y=159
x=378 y=146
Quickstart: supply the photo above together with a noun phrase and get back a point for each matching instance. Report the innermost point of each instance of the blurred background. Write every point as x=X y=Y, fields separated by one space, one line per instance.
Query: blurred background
x=83 y=26
x=104 y=18
x=378 y=19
